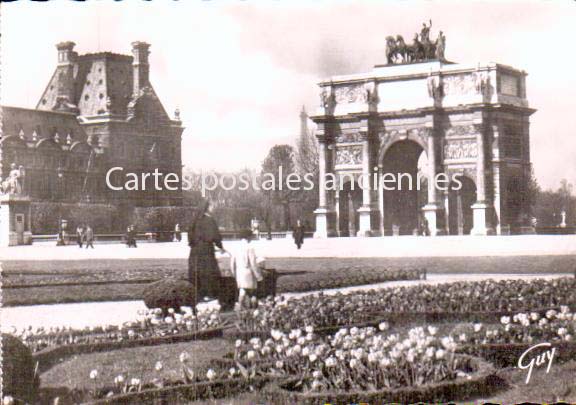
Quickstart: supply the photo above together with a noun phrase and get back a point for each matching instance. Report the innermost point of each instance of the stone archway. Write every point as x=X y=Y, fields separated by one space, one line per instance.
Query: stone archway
x=349 y=200
x=402 y=208
x=460 y=214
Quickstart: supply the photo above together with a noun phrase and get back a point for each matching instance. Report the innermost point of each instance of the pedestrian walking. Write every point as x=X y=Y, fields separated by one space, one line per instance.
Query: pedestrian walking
x=298 y=234
x=89 y=237
x=177 y=233
x=246 y=269
x=131 y=237
x=79 y=235
x=203 y=270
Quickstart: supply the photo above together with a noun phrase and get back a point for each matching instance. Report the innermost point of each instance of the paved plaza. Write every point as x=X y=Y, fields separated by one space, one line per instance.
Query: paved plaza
x=402 y=246
x=115 y=313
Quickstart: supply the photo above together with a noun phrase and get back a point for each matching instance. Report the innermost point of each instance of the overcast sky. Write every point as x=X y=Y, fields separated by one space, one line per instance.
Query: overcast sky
x=239 y=71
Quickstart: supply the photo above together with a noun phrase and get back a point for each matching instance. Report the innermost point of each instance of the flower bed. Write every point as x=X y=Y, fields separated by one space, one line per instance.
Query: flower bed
x=208 y=381
x=482 y=382
x=503 y=343
x=184 y=393
x=507 y=354
x=530 y=327
x=344 y=367
x=52 y=345
x=484 y=301
x=150 y=324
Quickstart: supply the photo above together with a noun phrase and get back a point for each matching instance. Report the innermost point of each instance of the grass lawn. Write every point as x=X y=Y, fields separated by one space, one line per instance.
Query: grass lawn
x=63 y=281
x=135 y=362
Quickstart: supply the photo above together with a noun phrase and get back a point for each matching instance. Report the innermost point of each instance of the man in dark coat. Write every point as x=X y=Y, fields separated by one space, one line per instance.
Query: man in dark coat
x=89 y=237
x=203 y=270
x=298 y=234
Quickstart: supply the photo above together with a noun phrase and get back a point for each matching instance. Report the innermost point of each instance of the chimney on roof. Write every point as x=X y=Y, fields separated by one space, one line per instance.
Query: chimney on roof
x=141 y=66
x=66 y=54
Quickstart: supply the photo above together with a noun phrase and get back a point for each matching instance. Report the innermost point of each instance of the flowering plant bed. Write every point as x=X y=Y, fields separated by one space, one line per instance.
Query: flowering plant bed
x=184 y=393
x=507 y=354
x=480 y=382
x=466 y=301
x=529 y=327
x=503 y=343
x=345 y=367
x=149 y=324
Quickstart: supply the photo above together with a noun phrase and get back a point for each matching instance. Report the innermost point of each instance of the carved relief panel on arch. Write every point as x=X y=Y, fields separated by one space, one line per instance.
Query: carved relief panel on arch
x=349 y=155
x=457 y=149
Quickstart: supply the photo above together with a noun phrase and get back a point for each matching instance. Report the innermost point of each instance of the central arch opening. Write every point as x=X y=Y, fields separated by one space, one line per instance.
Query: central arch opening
x=403 y=205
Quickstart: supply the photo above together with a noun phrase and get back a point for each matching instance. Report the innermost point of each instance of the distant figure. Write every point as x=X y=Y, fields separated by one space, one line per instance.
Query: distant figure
x=425 y=32
x=563 y=219
x=177 y=233
x=440 y=46
x=62 y=238
x=79 y=235
x=298 y=234
x=89 y=237
x=246 y=269
x=131 y=236
x=203 y=270
x=255 y=224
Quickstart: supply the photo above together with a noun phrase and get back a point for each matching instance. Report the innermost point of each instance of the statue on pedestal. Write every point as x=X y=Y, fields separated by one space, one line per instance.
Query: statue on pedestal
x=440 y=46
x=421 y=49
x=425 y=32
x=13 y=184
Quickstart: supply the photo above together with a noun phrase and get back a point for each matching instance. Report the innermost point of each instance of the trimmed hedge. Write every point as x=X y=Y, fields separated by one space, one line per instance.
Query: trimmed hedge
x=49 y=357
x=507 y=354
x=346 y=277
x=170 y=293
x=19 y=378
x=183 y=394
x=482 y=383
x=102 y=217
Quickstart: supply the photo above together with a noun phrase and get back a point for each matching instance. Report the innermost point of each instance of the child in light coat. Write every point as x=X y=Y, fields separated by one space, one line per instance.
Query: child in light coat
x=246 y=267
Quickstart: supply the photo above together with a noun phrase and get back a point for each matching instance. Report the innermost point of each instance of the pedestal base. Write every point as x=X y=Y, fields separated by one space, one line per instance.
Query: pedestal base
x=324 y=228
x=15 y=220
x=431 y=215
x=365 y=222
x=480 y=225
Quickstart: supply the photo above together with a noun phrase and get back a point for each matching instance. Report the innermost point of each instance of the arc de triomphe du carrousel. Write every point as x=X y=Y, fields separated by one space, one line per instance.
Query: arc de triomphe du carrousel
x=420 y=117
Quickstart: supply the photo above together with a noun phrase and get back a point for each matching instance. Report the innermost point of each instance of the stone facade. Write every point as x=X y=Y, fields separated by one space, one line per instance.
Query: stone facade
x=98 y=111
x=425 y=119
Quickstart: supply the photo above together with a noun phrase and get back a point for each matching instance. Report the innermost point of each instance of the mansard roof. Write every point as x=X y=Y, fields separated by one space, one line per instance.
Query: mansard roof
x=96 y=84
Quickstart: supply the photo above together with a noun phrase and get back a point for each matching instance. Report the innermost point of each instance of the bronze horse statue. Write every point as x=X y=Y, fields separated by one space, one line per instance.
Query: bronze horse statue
x=397 y=51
